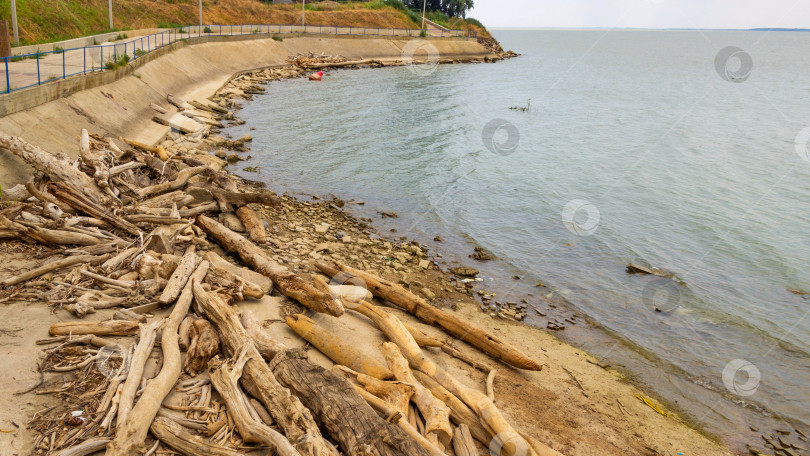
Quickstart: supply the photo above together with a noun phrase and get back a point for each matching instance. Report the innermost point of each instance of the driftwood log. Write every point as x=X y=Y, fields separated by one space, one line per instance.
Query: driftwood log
x=225 y=378
x=287 y=410
x=253 y=225
x=98 y=328
x=53 y=266
x=395 y=294
x=508 y=439
x=55 y=166
x=131 y=435
x=342 y=352
x=288 y=283
x=186 y=443
x=332 y=399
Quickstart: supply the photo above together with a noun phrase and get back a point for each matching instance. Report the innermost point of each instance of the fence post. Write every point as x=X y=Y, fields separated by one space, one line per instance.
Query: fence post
x=84 y=60
x=8 y=81
x=39 y=79
x=101 y=61
x=64 y=73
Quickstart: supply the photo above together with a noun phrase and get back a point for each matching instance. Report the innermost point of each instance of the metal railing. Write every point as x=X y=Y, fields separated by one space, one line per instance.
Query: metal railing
x=23 y=71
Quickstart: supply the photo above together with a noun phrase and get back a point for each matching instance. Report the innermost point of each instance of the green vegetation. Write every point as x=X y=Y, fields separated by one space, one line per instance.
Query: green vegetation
x=474 y=22
x=168 y=25
x=439 y=18
x=121 y=62
x=139 y=52
x=121 y=36
x=412 y=15
x=278 y=37
x=207 y=30
x=58 y=49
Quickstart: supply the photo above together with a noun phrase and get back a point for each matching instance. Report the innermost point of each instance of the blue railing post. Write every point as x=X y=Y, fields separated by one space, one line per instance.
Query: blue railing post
x=101 y=62
x=8 y=81
x=84 y=60
x=64 y=73
x=39 y=79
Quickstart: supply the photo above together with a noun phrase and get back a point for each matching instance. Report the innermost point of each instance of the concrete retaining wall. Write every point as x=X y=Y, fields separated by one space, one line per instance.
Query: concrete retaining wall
x=116 y=103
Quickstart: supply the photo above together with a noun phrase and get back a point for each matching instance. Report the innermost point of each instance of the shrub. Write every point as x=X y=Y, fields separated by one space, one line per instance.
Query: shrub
x=58 y=49
x=474 y=22
x=439 y=18
x=113 y=64
x=278 y=38
x=207 y=30
x=139 y=52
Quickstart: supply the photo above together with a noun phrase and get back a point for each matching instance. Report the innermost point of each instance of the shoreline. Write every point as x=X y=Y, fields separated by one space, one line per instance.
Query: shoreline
x=469 y=296
x=751 y=416
x=572 y=426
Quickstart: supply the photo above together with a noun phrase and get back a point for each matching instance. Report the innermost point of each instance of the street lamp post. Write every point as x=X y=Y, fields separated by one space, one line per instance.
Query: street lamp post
x=304 y=14
x=109 y=4
x=200 y=13
x=14 y=22
x=424 y=8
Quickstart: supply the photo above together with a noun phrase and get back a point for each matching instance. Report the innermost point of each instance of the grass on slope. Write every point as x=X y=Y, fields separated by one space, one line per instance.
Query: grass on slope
x=42 y=21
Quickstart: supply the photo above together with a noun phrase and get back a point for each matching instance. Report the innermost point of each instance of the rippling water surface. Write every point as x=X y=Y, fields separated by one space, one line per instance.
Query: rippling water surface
x=676 y=167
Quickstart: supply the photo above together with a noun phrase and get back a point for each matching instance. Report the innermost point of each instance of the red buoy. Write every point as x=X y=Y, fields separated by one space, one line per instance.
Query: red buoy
x=316 y=76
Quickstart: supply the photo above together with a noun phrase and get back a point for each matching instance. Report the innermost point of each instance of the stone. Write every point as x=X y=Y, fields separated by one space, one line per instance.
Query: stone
x=220 y=153
x=346 y=239
x=322 y=228
x=233 y=158
x=424 y=264
x=462 y=271
x=428 y=294
x=246 y=138
x=231 y=221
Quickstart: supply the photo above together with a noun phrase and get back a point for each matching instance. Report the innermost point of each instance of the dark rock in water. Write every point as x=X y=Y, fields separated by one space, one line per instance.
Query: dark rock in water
x=385 y=214
x=481 y=255
x=464 y=271
x=438 y=239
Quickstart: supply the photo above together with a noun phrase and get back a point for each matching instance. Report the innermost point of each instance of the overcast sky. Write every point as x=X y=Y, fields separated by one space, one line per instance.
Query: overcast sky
x=740 y=14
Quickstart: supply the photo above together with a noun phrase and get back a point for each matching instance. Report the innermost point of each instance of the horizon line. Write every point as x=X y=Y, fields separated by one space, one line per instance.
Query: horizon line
x=756 y=29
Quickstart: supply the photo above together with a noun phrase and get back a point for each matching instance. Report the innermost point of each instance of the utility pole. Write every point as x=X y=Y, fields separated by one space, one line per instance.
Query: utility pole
x=424 y=8
x=304 y=14
x=200 y=13
x=14 y=22
x=109 y=3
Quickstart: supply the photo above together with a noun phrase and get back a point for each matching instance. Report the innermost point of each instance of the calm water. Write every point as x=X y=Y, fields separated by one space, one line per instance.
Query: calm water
x=676 y=167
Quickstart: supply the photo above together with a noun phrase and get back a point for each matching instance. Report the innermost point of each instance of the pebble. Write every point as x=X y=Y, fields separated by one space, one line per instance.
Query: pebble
x=428 y=294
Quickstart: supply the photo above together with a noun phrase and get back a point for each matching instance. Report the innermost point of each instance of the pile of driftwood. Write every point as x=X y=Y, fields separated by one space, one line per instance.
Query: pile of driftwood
x=135 y=225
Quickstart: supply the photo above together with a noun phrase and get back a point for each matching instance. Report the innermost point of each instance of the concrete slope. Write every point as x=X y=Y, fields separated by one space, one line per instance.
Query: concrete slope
x=121 y=107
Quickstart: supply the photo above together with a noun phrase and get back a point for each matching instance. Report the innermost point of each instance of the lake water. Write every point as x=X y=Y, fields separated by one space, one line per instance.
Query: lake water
x=636 y=146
